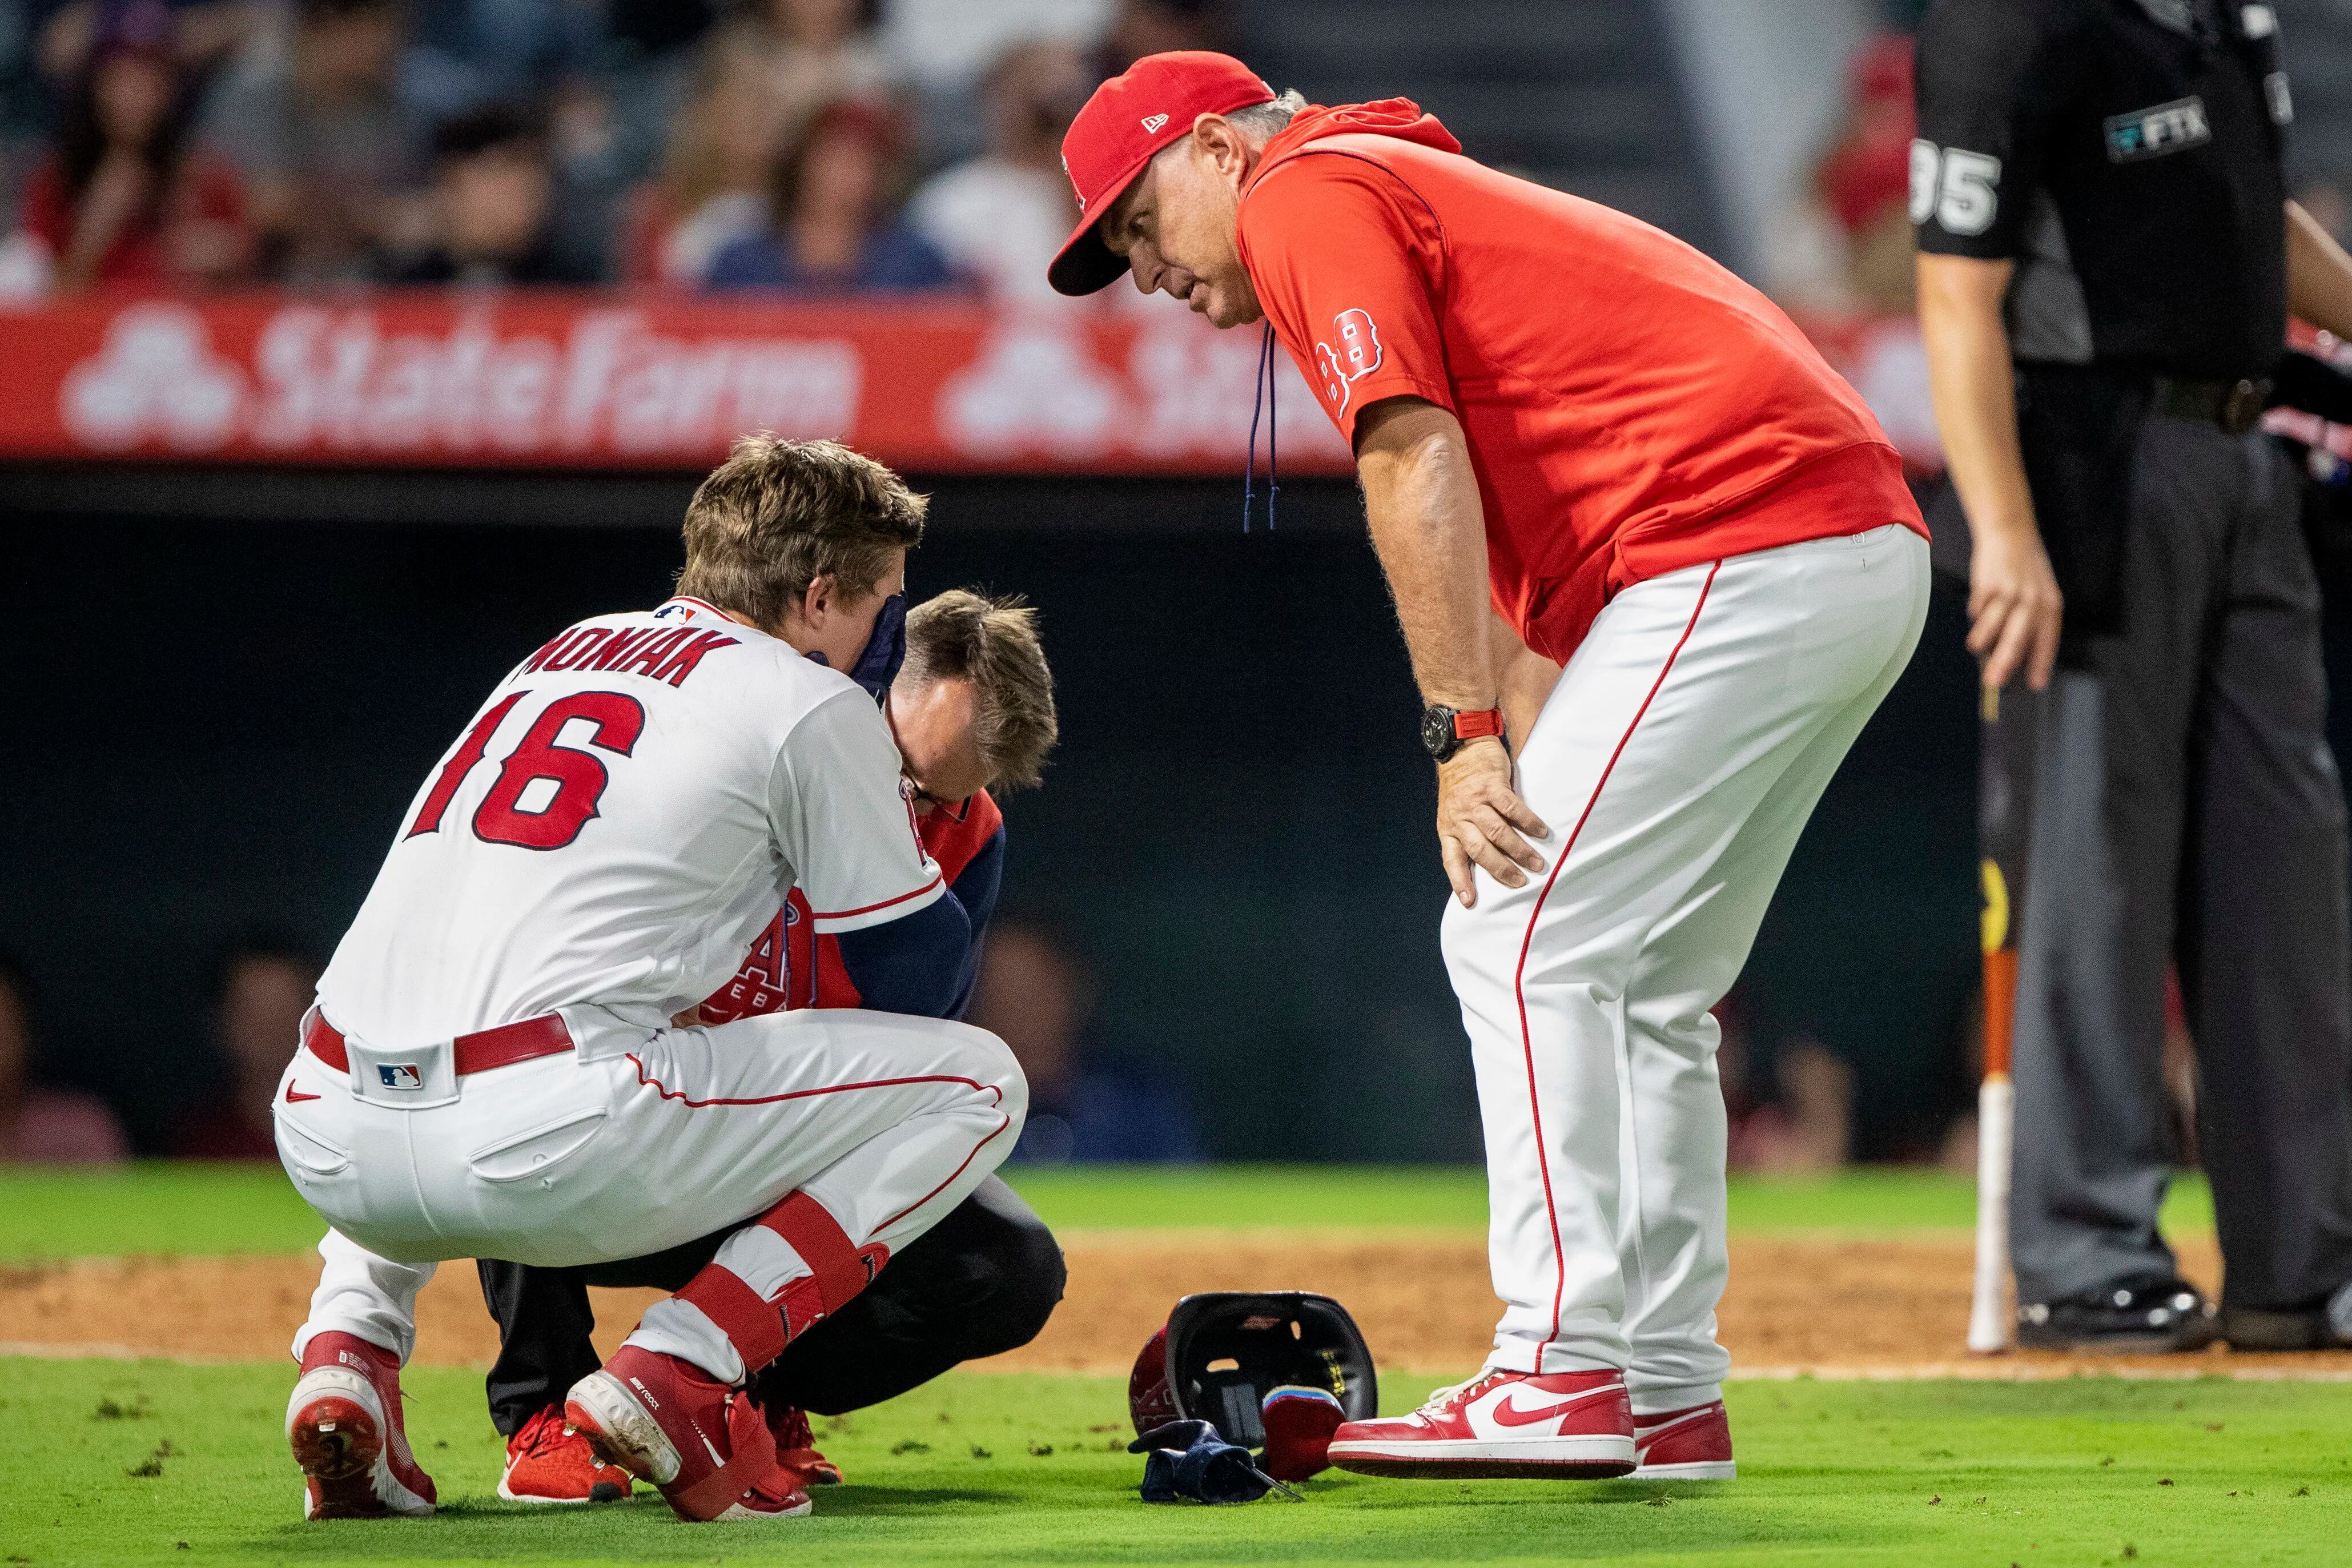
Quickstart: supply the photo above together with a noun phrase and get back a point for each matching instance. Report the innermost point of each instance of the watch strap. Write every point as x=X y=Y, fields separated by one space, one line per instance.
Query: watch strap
x=1479 y=725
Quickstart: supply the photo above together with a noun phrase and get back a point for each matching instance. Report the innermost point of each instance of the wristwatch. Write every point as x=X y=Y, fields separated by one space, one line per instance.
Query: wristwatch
x=1443 y=730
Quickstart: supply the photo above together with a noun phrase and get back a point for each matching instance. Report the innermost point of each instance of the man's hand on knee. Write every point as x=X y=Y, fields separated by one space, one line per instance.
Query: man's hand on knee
x=1481 y=819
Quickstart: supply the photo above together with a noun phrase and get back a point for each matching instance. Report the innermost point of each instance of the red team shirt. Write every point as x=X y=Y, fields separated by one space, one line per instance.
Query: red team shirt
x=792 y=965
x=1631 y=408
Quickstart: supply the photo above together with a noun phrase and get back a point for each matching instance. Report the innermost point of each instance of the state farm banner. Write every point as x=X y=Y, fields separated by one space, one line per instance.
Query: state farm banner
x=562 y=379
x=449 y=379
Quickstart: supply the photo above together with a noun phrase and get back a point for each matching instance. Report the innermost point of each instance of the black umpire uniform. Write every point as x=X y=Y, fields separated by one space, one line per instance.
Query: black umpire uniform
x=2128 y=156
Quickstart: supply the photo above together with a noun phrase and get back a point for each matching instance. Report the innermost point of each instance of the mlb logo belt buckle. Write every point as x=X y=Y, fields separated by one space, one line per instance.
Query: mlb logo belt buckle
x=411 y=1077
x=405 y=1078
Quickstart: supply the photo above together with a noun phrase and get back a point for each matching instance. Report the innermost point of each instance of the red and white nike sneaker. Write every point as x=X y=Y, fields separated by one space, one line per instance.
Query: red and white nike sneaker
x=1569 y=1426
x=548 y=1462
x=702 y=1443
x=343 y=1424
x=796 y=1445
x=1693 y=1445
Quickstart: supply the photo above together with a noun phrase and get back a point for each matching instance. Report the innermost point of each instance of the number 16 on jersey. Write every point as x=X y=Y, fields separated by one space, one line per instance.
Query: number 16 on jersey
x=548 y=786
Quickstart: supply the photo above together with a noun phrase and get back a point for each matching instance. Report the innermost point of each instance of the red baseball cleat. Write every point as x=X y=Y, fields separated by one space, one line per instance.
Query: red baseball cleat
x=1693 y=1445
x=1569 y=1426
x=343 y=1424
x=702 y=1443
x=796 y=1445
x=548 y=1462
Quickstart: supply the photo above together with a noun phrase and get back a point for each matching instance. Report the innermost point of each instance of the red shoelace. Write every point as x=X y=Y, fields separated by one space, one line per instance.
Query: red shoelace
x=540 y=1435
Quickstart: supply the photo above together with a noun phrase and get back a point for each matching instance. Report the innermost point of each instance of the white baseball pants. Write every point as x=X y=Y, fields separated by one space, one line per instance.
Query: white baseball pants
x=1676 y=762
x=643 y=1140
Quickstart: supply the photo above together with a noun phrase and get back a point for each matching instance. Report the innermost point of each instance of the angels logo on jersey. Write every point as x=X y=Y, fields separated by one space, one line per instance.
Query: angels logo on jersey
x=763 y=983
x=1356 y=357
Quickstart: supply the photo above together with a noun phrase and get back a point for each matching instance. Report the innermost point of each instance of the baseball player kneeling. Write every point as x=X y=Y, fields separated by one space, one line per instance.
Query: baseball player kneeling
x=492 y=1071
x=973 y=712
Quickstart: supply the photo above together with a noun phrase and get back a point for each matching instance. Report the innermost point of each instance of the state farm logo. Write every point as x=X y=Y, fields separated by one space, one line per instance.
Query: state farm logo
x=336 y=381
x=542 y=380
x=1181 y=392
x=1033 y=388
x=155 y=378
x=609 y=384
x=1195 y=390
x=1354 y=353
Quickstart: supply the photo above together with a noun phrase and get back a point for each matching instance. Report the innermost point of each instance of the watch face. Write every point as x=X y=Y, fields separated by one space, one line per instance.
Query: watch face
x=1437 y=732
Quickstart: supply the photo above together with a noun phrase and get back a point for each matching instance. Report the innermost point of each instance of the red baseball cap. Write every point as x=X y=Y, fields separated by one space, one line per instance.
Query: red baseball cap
x=1130 y=118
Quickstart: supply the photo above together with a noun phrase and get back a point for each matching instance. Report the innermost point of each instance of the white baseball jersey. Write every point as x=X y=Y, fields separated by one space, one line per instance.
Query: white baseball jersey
x=618 y=823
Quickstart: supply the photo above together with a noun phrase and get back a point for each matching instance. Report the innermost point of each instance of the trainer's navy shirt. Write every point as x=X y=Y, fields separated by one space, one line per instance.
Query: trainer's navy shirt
x=2129 y=156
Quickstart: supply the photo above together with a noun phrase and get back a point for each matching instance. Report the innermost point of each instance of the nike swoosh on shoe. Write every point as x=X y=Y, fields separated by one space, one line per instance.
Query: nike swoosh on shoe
x=1504 y=1413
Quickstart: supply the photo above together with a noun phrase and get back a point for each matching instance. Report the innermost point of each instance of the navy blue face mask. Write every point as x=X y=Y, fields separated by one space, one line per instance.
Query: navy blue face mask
x=885 y=649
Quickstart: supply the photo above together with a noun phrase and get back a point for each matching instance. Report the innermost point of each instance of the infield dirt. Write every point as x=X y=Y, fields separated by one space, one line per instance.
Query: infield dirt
x=1829 y=1307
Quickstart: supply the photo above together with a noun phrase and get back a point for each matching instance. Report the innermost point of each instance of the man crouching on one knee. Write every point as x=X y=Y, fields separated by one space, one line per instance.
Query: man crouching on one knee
x=492 y=1068
x=973 y=712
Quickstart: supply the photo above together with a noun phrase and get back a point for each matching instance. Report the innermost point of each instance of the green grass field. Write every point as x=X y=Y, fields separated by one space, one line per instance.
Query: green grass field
x=211 y=1210
x=110 y=1462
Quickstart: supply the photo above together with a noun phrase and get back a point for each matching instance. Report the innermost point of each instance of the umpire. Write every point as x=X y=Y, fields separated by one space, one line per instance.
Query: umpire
x=2107 y=261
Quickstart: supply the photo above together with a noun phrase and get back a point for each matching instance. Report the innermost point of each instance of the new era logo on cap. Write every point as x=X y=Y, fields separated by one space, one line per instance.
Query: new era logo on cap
x=1103 y=156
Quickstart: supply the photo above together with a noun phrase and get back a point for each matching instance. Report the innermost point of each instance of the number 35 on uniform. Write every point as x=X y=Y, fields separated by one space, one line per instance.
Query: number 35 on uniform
x=1959 y=189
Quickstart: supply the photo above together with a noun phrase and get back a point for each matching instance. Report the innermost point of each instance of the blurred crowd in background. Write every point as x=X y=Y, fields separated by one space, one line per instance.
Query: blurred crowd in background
x=795 y=146
x=1034 y=993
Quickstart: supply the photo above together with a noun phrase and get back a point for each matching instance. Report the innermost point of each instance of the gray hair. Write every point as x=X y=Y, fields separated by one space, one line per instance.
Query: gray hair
x=1261 y=123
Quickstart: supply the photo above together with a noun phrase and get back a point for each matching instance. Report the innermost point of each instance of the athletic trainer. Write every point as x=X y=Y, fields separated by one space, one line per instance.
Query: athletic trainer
x=1581 y=444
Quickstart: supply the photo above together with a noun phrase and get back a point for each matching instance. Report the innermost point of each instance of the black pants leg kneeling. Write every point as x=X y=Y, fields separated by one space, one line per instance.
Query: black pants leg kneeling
x=981 y=1281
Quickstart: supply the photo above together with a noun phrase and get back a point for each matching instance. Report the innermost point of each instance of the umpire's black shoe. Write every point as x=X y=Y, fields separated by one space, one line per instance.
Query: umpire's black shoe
x=2151 y=1316
x=2324 y=1328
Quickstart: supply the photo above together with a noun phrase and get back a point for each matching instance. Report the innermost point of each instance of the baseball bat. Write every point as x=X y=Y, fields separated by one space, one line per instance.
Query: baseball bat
x=2004 y=807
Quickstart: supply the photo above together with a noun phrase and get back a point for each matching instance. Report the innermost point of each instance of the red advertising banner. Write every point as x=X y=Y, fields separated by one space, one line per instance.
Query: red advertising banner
x=545 y=380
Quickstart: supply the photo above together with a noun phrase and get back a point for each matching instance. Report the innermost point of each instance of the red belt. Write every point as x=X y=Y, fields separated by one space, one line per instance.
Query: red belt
x=502 y=1046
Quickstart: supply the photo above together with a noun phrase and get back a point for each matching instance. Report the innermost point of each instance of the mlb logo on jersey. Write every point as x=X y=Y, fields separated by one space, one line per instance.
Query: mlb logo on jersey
x=400 y=1075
